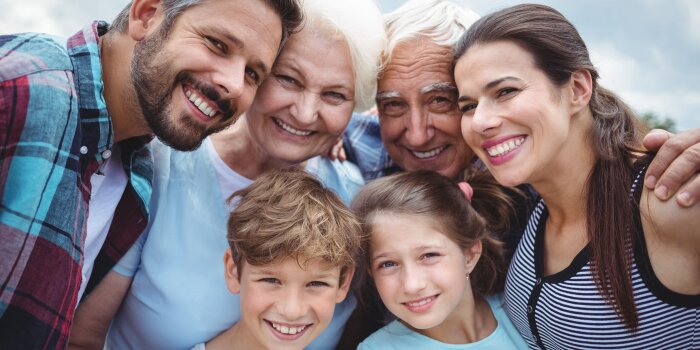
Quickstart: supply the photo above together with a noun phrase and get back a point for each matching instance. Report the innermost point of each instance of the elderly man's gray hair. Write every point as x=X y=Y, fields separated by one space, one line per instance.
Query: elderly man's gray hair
x=440 y=21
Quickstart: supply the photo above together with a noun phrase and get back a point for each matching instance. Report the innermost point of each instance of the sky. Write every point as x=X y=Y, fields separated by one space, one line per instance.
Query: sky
x=647 y=51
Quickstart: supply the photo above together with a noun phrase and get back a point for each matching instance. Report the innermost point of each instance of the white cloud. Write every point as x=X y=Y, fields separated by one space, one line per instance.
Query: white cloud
x=692 y=9
x=36 y=15
x=617 y=70
x=633 y=82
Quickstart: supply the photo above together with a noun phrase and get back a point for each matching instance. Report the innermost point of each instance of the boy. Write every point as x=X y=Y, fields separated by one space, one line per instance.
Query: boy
x=292 y=257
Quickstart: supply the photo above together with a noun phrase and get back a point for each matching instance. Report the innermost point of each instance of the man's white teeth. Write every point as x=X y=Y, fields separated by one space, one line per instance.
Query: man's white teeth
x=200 y=103
x=428 y=154
x=288 y=330
x=503 y=148
x=292 y=130
x=421 y=303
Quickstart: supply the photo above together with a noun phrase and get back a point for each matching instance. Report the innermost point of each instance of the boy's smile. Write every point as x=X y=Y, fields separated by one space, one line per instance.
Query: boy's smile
x=287 y=303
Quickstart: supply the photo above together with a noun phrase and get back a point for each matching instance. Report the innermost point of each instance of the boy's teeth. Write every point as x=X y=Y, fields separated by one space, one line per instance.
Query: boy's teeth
x=505 y=147
x=428 y=154
x=292 y=130
x=200 y=103
x=288 y=330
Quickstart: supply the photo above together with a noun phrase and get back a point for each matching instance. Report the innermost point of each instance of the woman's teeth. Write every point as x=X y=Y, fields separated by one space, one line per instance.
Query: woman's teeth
x=503 y=148
x=292 y=130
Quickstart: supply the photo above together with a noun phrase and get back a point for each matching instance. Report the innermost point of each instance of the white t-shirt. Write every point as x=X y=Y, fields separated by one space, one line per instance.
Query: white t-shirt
x=229 y=180
x=108 y=185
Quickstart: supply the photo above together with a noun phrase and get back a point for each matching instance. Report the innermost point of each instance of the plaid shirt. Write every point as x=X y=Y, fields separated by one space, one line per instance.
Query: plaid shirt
x=363 y=146
x=55 y=132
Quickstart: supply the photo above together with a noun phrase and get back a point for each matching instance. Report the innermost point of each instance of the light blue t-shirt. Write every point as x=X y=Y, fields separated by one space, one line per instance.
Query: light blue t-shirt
x=397 y=336
x=178 y=296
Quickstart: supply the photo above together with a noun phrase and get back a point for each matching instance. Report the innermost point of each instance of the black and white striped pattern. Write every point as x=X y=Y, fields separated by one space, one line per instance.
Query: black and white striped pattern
x=566 y=311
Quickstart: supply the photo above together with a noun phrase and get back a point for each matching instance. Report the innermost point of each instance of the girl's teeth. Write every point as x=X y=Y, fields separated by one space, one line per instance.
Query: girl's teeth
x=421 y=303
x=288 y=330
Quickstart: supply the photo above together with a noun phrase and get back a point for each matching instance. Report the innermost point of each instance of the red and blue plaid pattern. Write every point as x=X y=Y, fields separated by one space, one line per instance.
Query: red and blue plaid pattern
x=54 y=128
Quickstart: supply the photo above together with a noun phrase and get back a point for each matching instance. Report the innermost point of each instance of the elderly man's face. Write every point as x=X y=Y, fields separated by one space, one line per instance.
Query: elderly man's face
x=419 y=118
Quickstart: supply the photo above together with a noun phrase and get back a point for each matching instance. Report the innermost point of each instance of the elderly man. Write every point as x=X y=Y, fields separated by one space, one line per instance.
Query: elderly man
x=418 y=126
x=76 y=117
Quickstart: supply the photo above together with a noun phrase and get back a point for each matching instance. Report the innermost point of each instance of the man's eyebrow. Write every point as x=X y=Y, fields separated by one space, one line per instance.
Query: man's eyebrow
x=488 y=86
x=439 y=87
x=384 y=95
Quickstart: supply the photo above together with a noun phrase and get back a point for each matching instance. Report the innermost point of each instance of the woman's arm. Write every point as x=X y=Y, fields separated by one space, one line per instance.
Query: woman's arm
x=672 y=236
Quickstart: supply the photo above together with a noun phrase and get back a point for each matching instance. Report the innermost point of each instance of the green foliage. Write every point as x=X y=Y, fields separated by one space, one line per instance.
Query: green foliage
x=654 y=122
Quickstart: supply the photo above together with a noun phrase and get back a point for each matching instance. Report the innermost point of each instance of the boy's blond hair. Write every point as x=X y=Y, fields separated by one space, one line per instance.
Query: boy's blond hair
x=288 y=213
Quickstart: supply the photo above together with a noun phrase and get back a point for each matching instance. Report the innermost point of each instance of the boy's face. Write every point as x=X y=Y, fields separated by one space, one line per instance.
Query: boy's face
x=283 y=305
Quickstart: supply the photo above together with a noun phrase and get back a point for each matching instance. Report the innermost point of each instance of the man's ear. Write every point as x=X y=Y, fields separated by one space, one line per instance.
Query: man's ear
x=345 y=285
x=144 y=17
x=581 y=86
x=233 y=282
x=472 y=256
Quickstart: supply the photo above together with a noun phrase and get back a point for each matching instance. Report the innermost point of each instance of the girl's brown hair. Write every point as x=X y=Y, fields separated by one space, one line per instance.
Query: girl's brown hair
x=559 y=51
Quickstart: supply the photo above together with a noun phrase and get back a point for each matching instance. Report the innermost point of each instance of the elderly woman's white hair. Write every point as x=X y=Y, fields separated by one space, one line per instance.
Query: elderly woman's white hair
x=359 y=23
x=441 y=21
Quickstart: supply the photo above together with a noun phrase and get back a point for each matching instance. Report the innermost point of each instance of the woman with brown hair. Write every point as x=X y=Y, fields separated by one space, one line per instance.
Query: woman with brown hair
x=603 y=262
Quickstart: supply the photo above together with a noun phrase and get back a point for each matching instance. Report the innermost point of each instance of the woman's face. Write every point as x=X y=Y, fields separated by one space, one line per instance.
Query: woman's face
x=513 y=117
x=302 y=109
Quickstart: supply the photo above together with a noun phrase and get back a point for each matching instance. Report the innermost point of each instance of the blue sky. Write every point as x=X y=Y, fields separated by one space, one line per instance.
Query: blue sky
x=648 y=51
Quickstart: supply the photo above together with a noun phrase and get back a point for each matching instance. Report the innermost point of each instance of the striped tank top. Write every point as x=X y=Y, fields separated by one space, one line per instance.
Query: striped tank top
x=566 y=311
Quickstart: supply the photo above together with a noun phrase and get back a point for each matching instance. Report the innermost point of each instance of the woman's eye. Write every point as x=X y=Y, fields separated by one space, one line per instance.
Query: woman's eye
x=505 y=91
x=287 y=80
x=466 y=108
x=336 y=97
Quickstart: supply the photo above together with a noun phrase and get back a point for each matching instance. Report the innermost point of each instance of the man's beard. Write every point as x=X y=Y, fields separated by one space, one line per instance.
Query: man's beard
x=151 y=79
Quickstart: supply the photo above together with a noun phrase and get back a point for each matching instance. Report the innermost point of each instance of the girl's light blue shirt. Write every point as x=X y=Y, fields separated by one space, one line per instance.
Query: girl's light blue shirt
x=397 y=336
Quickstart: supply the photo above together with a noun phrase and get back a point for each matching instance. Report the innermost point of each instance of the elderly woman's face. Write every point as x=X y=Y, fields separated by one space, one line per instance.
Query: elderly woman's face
x=302 y=109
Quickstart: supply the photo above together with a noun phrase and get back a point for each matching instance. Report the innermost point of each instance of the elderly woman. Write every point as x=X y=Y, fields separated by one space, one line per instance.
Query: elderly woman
x=603 y=263
x=178 y=297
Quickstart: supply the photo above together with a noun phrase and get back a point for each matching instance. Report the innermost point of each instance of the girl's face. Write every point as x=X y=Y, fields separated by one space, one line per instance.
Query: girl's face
x=513 y=117
x=302 y=109
x=420 y=273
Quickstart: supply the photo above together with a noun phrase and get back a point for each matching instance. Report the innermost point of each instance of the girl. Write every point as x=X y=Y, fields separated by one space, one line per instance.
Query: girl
x=603 y=263
x=435 y=264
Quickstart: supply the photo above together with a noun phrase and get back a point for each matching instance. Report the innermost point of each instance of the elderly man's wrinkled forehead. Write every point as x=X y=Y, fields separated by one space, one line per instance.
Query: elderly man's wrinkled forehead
x=420 y=63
